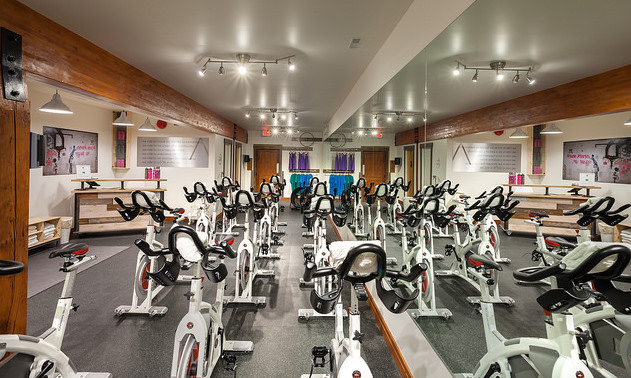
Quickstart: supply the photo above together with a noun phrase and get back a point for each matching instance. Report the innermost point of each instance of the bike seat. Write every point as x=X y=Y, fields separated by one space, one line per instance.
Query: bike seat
x=536 y=214
x=478 y=261
x=8 y=267
x=559 y=242
x=68 y=249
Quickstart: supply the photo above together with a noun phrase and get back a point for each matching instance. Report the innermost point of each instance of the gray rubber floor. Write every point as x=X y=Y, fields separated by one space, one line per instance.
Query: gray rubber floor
x=140 y=346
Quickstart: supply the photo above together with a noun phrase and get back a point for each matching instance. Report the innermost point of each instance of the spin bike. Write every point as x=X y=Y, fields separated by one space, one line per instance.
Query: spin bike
x=200 y=336
x=442 y=190
x=357 y=192
x=230 y=189
x=41 y=356
x=462 y=266
x=378 y=227
x=359 y=263
x=415 y=216
x=247 y=260
x=557 y=355
x=145 y=290
x=204 y=224
x=278 y=189
x=394 y=207
x=264 y=236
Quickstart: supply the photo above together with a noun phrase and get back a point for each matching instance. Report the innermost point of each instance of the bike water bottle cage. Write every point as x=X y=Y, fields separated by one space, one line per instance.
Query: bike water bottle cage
x=230 y=211
x=9 y=267
x=190 y=197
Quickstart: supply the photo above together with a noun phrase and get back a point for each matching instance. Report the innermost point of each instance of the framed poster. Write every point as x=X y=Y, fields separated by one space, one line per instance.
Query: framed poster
x=65 y=149
x=608 y=159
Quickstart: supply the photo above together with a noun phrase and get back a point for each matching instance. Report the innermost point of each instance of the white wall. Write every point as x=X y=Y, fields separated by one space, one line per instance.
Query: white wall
x=51 y=195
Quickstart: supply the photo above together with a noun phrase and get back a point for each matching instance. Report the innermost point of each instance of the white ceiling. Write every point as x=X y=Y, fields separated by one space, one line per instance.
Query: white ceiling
x=563 y=40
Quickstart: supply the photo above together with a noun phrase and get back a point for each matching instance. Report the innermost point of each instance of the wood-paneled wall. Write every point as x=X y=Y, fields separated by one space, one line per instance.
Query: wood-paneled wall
x=599 y=94
x=54 y=54
x=14 y=184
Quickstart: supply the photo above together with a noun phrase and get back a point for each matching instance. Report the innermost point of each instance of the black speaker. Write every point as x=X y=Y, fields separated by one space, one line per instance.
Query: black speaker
x=397 y=161
x=246 y=158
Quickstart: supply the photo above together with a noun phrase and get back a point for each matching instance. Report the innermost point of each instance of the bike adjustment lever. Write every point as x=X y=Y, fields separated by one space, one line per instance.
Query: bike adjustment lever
x=359 y=336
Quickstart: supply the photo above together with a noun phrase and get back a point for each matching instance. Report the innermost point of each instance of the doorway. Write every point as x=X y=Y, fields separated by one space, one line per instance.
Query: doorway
x=267 y=162
x=425 y=163
x=238 y=161
x=375 y=164
x=409 y=169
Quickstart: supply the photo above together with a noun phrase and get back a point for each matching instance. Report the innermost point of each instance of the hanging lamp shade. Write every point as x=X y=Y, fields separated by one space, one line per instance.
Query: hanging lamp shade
x=147 y=126
x=122 y=120
x=551 y=128
x=56 y=105
x=518 y=134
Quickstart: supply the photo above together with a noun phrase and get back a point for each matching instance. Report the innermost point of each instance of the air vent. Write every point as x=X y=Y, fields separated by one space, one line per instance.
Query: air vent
x=354 y=43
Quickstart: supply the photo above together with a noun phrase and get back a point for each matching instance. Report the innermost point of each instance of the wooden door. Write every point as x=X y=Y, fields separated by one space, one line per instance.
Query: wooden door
x=409 y=169
x=266 y=164
x=375 y=166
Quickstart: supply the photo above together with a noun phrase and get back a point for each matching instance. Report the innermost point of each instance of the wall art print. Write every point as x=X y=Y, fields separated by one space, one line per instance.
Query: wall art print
x=65 y=149
x=608 y=159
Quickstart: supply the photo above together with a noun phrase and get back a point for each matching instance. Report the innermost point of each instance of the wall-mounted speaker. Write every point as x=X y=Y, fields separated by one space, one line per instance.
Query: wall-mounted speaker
x=397 y=161
x=246 y=158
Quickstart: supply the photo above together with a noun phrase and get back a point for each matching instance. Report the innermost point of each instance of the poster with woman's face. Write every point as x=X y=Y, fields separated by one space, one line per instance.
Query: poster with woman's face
x=65 y=149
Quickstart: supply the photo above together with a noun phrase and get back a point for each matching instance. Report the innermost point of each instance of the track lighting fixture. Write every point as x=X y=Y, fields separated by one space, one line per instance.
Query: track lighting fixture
x=263 y=112
x=243 y=60
x=475 y=77
x=360 y=132
x=407 y=116
x=518 y=134
x=551 y=128
x=122 y=120
x=55 y=105
x=275 y=130
x=499 y=67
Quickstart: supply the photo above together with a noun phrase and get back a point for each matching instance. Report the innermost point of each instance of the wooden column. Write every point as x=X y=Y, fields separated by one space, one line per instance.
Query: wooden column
x=14 y=187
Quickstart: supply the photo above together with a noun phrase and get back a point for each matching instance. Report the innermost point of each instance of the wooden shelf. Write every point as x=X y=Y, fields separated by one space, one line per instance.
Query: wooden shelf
x=39 y=223
x=547 y=187
x=122 y=182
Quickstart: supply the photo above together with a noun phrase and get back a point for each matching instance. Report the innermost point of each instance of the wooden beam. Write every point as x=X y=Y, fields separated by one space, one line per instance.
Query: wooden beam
x=54 y=54
x=14 y=154
x=603 y=93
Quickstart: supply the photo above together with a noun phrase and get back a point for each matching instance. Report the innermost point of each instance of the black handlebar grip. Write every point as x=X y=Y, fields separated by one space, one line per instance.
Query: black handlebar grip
x=537 y=273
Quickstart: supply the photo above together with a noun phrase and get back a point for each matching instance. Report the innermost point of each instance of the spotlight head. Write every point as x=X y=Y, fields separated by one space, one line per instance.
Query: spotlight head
x=291 y=64
x=242 y=69
x=264 y=70
x=374 y=132
x=530 y=80
x=247 y=115
x=499 y=76
x=290 y=131
x=221 y=69
x=458 y=69
x=389 y=119
x=295 y=115
x=375 y=116
x=475 y=77
x=202 y=71
x=516 y=78
x=283 y=116
x=273 y=115
x=262 y=116
x=275 y=130
x=360 y=132
x=410 y=119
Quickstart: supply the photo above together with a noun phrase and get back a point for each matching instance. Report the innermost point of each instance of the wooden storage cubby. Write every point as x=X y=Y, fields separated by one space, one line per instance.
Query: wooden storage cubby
x=39 y=223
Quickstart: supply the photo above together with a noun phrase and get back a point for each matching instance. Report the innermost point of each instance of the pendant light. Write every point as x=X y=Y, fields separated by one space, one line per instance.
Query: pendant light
x=551 y=128
x=147 y=126
x=122 y=120
x=518 y=134
x=56 y=106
